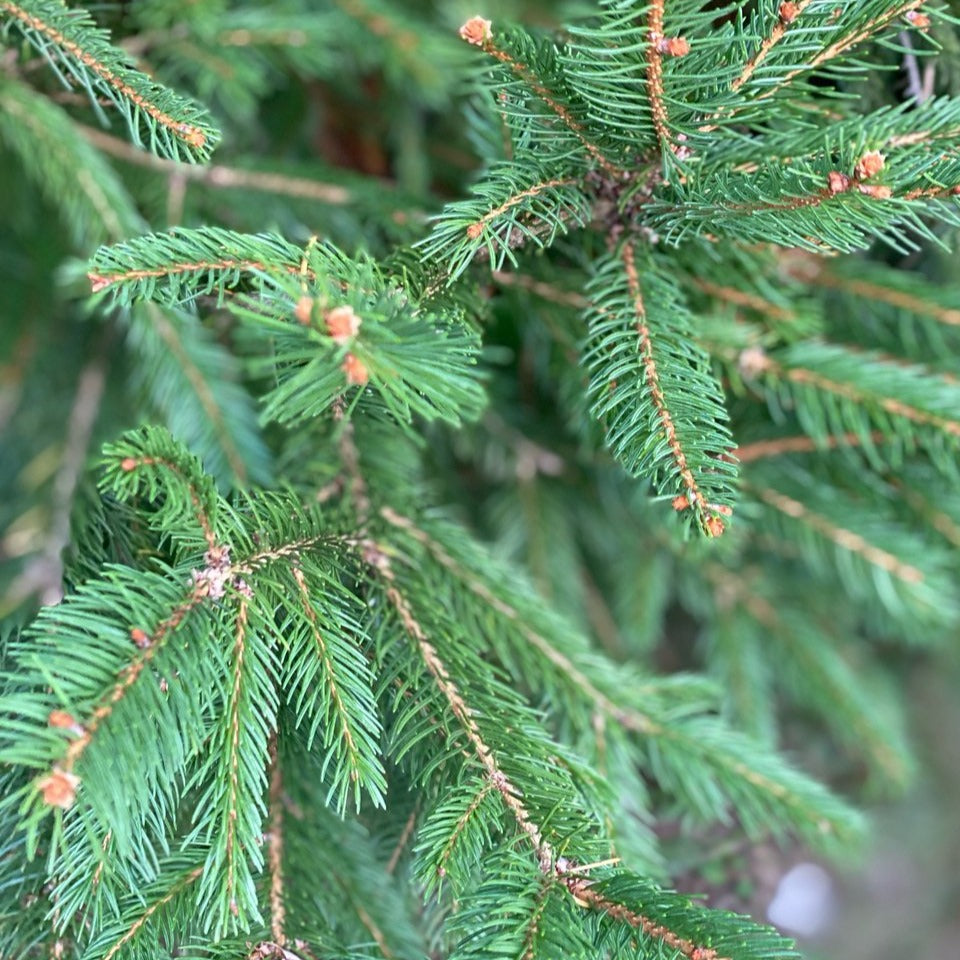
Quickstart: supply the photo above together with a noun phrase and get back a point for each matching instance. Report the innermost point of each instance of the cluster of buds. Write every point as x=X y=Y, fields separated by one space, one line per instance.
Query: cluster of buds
x=870 y=164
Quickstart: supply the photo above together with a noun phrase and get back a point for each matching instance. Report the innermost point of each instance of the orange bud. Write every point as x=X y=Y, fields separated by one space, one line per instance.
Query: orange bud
x=476 y=31
x=303 y=310
x=715 y=526
x=355 y=370
x=674 y=46
x=59 y=788
x=870 y=163
x=61 y=719
x=837 y=182
x=876 y=191
x=789 y=11
x=128 y=464
x=342 y=324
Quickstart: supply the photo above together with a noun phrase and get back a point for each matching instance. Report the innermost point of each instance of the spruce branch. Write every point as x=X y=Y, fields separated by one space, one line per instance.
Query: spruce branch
x=478 y=32
x=787 y=14
x=79 y=52
x=760 y=787
x=653 y=391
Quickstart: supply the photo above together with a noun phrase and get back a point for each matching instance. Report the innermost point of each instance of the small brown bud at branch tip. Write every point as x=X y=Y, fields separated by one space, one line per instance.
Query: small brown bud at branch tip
x=476 y=31
x=789 y=11
x=127 y=464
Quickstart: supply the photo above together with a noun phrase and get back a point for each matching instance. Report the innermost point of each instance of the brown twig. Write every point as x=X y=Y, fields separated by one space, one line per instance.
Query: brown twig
x=220 y=176
x=275 y=847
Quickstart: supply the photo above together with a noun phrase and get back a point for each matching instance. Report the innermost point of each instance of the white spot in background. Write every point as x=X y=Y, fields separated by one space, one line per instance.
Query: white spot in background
x=803 y=903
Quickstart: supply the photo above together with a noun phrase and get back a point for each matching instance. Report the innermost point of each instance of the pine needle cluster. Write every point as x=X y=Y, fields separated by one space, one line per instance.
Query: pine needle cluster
x=352 y=635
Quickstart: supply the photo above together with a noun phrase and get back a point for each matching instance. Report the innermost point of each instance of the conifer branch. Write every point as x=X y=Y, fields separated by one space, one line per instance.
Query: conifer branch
x=380 y=561
x=461 y=824
x=823 y=276
x=330 y=676
x=476 y=228
x=778 y=446
x=775 y=785
x=896 y=407
x=707 y=514
x=477 y=32
x=178 y=887
x=377 y=23
x=66 y=39
x=856 y=36
x=148 y=645
x=845 y=539
x=201 y=513
x=741 y=298
x=584 y=894
x=655 y=91
x=403 y=840
x=788 y=12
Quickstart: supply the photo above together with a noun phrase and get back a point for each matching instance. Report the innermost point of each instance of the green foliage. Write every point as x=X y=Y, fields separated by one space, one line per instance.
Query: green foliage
x=493 y=482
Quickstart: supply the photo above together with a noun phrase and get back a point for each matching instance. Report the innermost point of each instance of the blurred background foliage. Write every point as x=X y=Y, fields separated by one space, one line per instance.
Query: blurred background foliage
x=317 y=101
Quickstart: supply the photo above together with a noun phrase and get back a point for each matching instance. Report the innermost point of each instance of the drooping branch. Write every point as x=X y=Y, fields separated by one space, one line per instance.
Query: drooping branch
x=709 y=519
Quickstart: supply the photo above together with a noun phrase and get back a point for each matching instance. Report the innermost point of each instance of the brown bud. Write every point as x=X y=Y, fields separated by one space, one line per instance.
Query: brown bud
x=140 y=638
x=97 y=283
x=128 y=463
x=752 y=361
x=837 y=182
x=193 y=136
x=303 y=311
x=714 y=526
x=59 y=788
x=680 y=503
x=789 y=11
x=474 y=230
x=916 y=19
x=342 y=324
x=355 y=370
x=875 y=190
x=869 y=164
x=674 y=46
x=476 y=31
x=61 y=719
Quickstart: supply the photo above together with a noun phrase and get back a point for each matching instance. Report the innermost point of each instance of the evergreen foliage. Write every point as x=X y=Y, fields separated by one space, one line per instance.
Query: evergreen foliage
x=350 y=640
